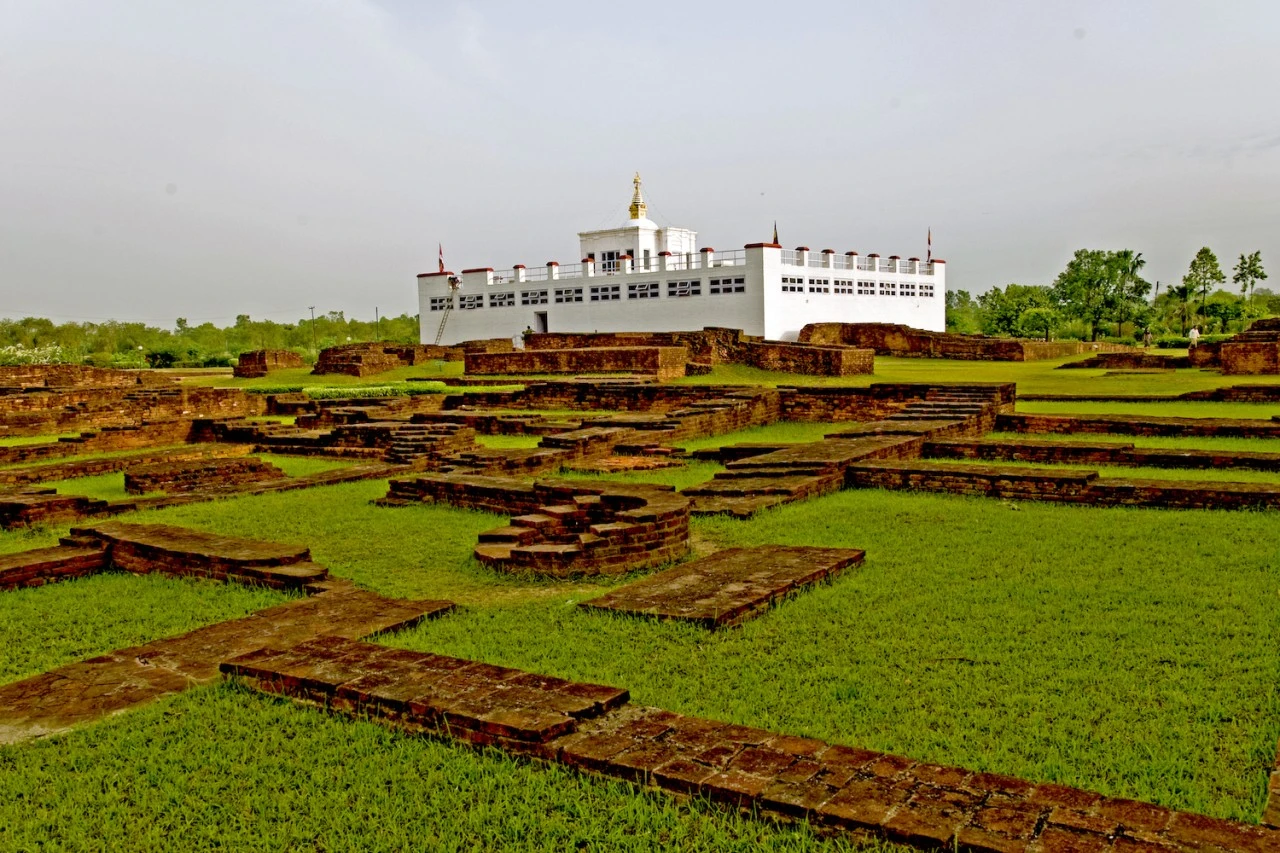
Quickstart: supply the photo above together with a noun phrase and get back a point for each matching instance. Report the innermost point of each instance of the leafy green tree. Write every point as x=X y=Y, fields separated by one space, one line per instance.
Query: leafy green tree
x=1249 y=272
x=1039 y=320
x=1002 y=310
x=1204 y=275
x=962 y=313
x=1099 y=285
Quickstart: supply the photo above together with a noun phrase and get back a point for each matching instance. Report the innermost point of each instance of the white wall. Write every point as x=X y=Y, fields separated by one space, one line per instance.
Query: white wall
x=764 y=309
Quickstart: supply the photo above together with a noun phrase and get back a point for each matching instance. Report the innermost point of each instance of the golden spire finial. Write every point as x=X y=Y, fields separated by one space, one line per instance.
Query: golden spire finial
x=639 y=210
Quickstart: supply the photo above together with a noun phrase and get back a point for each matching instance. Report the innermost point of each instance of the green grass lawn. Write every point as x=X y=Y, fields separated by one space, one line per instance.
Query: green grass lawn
x=792 y=432
x=81 y=456
x=221 y=768
x=22 y=440
x=1130 y=651
x=680 y=477
x=508 y=442
x=61 y=623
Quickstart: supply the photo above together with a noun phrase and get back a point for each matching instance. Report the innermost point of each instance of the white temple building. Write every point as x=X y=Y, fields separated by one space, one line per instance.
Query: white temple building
x=641 y=277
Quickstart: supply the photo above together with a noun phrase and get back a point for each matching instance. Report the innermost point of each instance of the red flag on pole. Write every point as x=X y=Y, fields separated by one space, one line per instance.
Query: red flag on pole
x=929 y=254
x=441 y=245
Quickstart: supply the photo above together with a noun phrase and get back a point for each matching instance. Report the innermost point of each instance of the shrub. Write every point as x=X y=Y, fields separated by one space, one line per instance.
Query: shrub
x=12 y=356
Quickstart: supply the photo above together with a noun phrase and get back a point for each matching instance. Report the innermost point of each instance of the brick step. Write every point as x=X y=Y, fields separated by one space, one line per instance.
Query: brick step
x=475 y=702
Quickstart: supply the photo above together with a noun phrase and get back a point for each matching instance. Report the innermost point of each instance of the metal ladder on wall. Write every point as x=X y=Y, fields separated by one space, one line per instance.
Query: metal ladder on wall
x=454 y=284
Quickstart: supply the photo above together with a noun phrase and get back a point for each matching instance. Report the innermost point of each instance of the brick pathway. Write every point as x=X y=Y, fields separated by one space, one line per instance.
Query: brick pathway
x=728 y=587
x=71 y=695
x=839 y=789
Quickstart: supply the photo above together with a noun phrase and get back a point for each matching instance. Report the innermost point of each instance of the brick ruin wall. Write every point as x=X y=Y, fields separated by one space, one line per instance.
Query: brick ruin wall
x=873 y=403
x=711 y=345
x=1252 y=357
x=588 y=396
x=76 y=376
x=809 y=360
x=260 y=362
x=81 y=409
x=198 y=475
x=1129 y=361
x=714 y=345
x=661 y=362
x=368 y=359
x=897 y=340
x=108 y=439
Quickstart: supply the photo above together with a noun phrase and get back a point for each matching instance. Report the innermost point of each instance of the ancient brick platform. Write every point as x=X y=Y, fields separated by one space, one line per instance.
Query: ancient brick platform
x=1060 y=485
x=71 y=695
x=660 y=362
x=791 y=473
x=475 y=702
x=903 y=341
x=199 y=475
x=45 y=506
x=728 y=587
x=259 y=362
x=1105 y=453
x=1129 y=361
x=838 y=789
x=145 y=548
x=45 y=565
x=1138 y=425
x=563 y=528
x=42 y=473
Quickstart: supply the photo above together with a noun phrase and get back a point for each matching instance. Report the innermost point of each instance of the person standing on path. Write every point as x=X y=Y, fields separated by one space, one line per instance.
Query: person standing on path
x=1194 y=336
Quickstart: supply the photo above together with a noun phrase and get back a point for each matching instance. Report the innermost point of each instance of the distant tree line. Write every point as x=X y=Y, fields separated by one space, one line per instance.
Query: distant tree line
x=117 y=343
x=1103 y=293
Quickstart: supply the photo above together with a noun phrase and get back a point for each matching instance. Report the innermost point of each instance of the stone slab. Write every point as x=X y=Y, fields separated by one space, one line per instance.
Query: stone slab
x=82 y=692
x=729 y=587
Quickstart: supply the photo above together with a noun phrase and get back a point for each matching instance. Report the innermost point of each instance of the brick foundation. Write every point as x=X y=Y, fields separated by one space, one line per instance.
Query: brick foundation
x=904 y=341
x=260 y=362
x=199 y=475
x=662 y=363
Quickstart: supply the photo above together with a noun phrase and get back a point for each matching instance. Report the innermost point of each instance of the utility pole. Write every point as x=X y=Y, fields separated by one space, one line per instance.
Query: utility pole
x=377 y=324
x=314 y=351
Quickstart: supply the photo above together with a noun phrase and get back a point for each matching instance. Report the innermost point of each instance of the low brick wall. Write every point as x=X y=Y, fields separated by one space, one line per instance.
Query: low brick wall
x=810 y=360
x=1253 y=357
x=1061 y=485
x=368 y=359
x=706 y=346
x=661 y=362
x=1110 y=453
x=563 y=528
x=87 y=409
x=1130 y=361
x=107 y=439
x=1137 y=425
x=198 y=475
x=898 y=340
x=876 y=401
x=76 y=376
x=260 y=362
x=47 y=565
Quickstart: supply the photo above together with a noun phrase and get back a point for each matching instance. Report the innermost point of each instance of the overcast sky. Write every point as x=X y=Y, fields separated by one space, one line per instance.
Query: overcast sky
x=205 y=158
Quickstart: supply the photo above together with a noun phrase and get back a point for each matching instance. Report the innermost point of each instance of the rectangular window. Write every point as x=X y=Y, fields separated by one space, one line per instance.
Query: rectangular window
x=502 y=300
x=605 y=292
x=792 y=284
x=533 y=297
x=647 y=262
x=718 y=286
x=843 y=286
x=866 y=288
x=886 y=288
x=819 y=285
x=907 y=288
x=684 y=288
x=926 y=290
x=470 y=303
x=569 y=294
x=439 y=303
x=609 y=261
x=643 y=290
